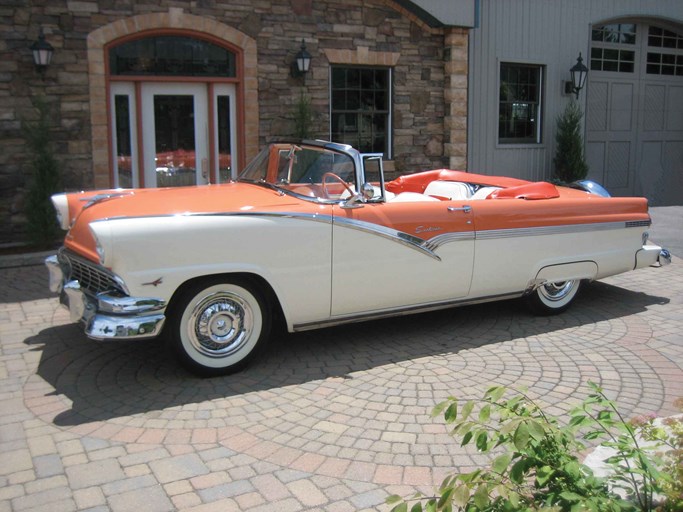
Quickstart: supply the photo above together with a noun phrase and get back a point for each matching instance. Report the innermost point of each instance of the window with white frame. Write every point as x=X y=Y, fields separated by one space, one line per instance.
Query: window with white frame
x=520 y=105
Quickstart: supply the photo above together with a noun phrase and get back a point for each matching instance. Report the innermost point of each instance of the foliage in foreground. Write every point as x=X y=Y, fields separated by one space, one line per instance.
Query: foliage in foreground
x=536 y=465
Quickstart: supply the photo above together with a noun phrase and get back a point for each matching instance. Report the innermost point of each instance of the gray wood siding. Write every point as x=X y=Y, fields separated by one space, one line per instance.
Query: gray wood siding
x=550 y=33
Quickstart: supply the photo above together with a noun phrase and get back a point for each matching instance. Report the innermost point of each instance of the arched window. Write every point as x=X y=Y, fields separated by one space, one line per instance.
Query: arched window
x=170 y=55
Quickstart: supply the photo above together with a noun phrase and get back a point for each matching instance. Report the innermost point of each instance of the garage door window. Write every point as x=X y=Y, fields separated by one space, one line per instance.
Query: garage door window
x=665 y=52
x=612 y=48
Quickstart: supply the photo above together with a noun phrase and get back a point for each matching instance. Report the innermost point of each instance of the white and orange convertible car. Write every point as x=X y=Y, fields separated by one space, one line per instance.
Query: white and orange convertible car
x=312 y=233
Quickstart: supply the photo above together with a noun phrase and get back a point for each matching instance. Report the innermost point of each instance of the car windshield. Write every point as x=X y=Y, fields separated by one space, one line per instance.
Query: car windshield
x=310 y=172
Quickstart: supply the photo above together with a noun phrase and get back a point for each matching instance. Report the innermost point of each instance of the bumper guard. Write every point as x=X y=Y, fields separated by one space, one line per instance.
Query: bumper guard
x=107 y=316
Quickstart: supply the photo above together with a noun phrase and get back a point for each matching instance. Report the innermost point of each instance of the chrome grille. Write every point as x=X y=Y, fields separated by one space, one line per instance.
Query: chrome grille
x=90 y=276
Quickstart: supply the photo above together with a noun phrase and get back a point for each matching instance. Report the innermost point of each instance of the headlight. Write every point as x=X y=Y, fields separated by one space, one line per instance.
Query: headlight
x=98 y=246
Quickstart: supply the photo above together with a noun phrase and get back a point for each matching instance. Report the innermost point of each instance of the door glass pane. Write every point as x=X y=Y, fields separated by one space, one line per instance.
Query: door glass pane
x=175 y=141
x=224 y=147
x=124 y=161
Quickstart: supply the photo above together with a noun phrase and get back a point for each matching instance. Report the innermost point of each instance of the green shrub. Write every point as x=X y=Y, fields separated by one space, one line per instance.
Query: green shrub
x=570 y=164
x=42 y=228
x=303 y=117
x=536 y=464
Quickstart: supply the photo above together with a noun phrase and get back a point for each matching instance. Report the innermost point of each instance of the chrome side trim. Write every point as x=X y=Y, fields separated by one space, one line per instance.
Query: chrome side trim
x=556 y=230
x=426 y=247
x=435 y=242
x=407 y=310
x=406 y=239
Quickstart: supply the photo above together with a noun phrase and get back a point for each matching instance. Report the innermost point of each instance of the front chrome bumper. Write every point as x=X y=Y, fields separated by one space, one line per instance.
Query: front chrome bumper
x=106 y=316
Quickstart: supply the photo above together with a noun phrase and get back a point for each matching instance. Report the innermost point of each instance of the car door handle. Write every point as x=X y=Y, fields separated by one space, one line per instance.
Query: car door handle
x=466 y=209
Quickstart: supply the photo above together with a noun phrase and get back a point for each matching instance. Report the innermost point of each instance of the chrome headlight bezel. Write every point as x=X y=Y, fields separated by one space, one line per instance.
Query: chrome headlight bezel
x=99 y=247
x=61 y=204
x=104 y=244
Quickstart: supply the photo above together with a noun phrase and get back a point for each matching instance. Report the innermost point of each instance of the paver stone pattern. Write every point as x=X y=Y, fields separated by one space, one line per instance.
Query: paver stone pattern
x=332 y=420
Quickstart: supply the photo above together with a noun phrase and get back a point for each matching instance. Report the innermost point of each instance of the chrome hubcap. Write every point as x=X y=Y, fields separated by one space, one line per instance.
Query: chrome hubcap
x=220 y=324
x=557 y=291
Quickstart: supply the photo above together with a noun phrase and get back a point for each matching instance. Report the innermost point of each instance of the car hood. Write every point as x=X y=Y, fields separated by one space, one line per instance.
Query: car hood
x=87 y=207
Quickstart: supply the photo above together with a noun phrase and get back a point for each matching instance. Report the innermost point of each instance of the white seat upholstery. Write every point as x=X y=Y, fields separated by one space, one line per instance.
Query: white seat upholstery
x=411 y=197
x=483 y=192
x=453 y=190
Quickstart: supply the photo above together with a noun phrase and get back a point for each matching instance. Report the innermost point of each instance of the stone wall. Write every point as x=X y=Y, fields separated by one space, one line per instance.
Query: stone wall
x=429 y=71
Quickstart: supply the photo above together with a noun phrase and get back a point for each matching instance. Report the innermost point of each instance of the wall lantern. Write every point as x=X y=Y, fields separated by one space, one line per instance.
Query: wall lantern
x=302 y=62
x=579 y=73
x=42 y=53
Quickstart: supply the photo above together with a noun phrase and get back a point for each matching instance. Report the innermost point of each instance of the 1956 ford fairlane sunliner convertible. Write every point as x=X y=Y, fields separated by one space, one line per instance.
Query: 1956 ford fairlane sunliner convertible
x=311 y=232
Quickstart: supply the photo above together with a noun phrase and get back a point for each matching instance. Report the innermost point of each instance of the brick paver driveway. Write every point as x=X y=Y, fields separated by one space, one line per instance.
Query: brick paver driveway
x=328 y=420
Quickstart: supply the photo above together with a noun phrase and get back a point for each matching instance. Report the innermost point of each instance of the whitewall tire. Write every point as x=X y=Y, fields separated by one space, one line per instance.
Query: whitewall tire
x=217 y=328
x=553 y=298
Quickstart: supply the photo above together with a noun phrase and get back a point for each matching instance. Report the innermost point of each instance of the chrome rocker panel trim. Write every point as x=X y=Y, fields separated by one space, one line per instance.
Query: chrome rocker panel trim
x=107 y=316
x=408 y=310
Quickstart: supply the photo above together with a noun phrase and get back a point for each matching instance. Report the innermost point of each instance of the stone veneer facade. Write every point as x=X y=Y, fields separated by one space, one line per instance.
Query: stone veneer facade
x=429 y=71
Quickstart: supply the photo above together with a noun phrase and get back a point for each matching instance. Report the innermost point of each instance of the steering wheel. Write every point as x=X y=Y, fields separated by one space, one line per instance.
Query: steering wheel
x=337 y=178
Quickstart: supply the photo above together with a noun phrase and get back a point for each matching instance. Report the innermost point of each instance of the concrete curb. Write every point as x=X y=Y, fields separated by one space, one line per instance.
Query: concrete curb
x=23 y=260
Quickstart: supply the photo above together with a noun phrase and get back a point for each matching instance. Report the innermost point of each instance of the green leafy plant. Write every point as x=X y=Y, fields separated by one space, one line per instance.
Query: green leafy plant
x=667 y=434
x=303 y=117
x=570 y=163
x=42 y=228
x=535 y=464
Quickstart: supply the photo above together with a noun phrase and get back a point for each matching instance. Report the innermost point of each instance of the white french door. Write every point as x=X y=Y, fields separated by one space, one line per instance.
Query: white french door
x=187 y=134
x=175 y=134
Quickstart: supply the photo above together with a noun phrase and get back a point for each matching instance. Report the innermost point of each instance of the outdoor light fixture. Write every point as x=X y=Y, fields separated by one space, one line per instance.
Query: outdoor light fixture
x=579 y=73
x=302 y=62
x=42 y=53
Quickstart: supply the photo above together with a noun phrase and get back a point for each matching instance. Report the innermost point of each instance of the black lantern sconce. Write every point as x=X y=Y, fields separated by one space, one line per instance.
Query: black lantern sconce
x=302 y=62
x=42 y=53
x=579 y=74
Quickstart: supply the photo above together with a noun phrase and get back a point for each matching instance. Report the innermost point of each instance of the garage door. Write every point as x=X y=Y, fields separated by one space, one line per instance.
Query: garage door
x=634 y=112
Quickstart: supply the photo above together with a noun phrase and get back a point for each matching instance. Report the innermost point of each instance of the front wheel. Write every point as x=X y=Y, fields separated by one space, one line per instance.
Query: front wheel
x=553 y=298
x=217 y=328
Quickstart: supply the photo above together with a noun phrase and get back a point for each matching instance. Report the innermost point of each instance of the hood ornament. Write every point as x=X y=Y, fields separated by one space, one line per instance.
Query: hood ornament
x=98 y=198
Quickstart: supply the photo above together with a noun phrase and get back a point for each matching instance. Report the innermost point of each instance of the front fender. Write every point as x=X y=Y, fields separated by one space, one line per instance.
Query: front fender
x=157 y=255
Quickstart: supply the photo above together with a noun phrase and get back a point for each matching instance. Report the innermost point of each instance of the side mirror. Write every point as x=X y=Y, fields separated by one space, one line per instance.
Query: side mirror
x=367 y=191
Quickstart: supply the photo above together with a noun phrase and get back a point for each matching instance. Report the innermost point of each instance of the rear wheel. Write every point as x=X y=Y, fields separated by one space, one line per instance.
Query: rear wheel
x=553 y=298
x=217 y=328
